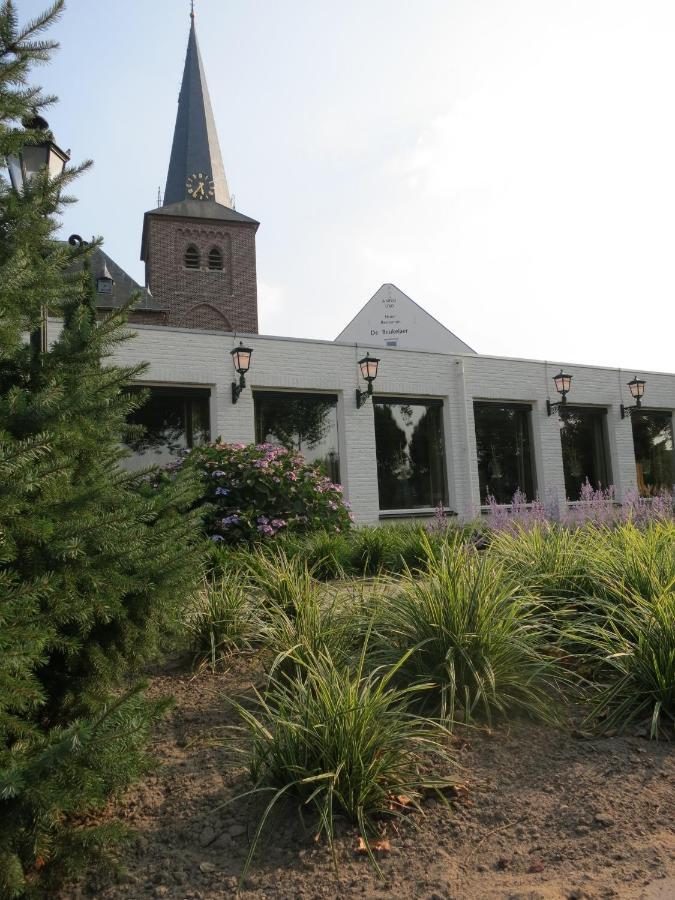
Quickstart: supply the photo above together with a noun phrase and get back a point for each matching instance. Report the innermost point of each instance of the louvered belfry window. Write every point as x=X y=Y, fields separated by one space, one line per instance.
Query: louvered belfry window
x=192 y=257
x=215 y=259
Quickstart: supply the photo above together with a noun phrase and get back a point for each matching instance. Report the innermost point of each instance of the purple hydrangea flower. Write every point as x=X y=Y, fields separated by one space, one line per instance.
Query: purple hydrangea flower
x=218 y=474
x=222 y=492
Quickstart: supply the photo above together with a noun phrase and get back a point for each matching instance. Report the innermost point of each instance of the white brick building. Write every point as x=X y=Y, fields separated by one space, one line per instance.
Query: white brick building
x=463 y=385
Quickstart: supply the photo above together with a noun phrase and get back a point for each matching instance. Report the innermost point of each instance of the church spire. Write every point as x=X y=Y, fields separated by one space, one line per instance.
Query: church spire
x=196 y=165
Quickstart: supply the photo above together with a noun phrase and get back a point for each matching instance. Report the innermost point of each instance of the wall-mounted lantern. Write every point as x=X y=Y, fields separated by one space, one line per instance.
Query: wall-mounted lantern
x=563 y=383
x=368 y=365
x=241 y=357
x=637 y=392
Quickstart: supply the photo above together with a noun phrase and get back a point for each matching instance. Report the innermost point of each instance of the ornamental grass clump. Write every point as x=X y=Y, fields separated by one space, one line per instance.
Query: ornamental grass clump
x=482 y=640
x=319 y=623
x=546 y=559
x=630 y=650
x=280 y=581
x=341 y=742
x=631 y=561
x=224 y=618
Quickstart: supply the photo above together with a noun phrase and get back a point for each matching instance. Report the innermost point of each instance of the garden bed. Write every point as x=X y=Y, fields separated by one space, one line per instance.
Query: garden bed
x=543 y=814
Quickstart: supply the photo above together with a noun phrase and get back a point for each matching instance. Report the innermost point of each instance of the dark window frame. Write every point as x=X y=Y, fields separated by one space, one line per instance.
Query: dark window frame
x=667 y=415
x=192 y=257
x=428 y=402
x=603 y=453
x=332 y=397
x=215 y=260
x=526 y=406
x=177 y=392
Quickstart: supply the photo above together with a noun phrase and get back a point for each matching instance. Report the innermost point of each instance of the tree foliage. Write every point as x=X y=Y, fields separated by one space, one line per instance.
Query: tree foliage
x=92 y=562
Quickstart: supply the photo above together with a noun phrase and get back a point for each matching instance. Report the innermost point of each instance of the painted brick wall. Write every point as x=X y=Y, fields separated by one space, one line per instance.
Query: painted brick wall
x=194 y=358
x=221 y=300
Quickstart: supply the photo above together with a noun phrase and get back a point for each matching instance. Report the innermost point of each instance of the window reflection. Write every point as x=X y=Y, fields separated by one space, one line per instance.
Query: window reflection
x=584 y=449
x=410 y=454
x=653 y=441
x=303 y=422
x=172 y=420
x=504 y=451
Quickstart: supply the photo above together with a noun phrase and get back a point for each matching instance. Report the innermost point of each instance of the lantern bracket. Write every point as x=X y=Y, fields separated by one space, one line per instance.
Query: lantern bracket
x=237 y=388
x=362 y=396
x=629 y=410
x=551 y=406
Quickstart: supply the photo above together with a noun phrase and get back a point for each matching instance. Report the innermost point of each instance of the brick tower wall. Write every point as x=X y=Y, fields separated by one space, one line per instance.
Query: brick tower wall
x=224 y=300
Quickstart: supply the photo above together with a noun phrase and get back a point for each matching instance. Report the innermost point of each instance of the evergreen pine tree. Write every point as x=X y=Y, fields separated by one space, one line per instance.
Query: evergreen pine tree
x=94 y=561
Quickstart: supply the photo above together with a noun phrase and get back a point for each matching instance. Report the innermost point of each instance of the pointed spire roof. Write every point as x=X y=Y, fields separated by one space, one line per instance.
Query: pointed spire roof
x=195 y=150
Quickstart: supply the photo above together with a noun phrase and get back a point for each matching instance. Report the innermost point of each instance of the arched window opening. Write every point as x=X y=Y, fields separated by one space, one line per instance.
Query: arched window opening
x=192 y=257
x=215 y=259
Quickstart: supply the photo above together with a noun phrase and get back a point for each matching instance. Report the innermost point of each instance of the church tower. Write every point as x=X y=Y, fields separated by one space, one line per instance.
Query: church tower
x=199 y=252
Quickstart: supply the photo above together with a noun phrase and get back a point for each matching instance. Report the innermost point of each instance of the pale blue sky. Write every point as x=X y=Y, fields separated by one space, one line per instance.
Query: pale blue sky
x=509 y=165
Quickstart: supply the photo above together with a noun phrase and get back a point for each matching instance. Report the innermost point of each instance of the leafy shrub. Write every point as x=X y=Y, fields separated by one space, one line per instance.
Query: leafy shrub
x=222 y=619
x=342 y=742
x=630 y=647
x=256 y=491
x=477 y=636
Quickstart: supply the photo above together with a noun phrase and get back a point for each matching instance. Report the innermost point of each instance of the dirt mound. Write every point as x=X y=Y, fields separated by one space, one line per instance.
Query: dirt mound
x=543 y=816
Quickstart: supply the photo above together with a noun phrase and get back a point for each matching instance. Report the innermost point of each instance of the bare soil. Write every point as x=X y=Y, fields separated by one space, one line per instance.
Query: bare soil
x=544 y=815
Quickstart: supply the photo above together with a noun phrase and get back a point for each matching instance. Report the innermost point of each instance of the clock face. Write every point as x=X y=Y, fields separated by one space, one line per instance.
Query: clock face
x=200 y=186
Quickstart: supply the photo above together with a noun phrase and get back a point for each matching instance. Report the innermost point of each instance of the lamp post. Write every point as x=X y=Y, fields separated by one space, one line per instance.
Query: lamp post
x=241 y=357
x=35 y=157
x=563 y=383
x=369 y=366
x=637 y=392
x=31 y=160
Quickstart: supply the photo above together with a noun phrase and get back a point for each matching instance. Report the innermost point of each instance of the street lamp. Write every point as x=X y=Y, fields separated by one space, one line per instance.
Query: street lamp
x=368 y=365
x=563 y=383
x=34 y=158
x=637 y=392
x=241 y=357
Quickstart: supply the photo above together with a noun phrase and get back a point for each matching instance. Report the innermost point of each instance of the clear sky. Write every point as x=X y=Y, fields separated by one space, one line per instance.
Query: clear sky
x=509 y=164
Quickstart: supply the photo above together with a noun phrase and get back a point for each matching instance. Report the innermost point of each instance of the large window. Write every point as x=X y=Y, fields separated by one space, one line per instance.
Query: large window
x=410 y=453
x=303 y=422
x=653 y=441
x=504 y=450
x=584 y=449
x=172 y=419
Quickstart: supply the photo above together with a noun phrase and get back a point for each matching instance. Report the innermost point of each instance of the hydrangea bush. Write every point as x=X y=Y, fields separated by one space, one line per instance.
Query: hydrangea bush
x=256 y=491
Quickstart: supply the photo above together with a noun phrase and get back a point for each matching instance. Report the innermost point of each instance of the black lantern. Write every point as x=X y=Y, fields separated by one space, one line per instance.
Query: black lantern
x=637 y=392
x=241 y=357
x=368 y=365
x=104 y=282
x=35 y=158
x=563 y=383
